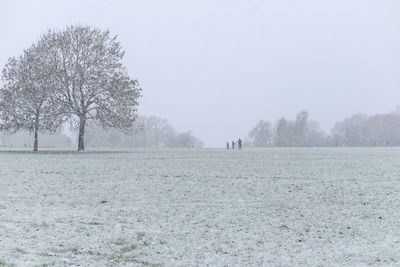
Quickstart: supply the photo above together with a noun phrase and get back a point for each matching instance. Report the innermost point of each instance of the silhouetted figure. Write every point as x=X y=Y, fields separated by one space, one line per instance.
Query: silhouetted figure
x=227 y=145
x=240 y=143
x=233 y=144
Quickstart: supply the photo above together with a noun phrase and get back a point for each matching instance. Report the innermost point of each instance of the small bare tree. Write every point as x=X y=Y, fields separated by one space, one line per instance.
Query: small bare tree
x=261 y=134
x=25 y=99
x=90 y=81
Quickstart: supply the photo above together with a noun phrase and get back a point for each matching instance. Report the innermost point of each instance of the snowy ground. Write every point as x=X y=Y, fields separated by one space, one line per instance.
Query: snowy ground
x=201 y=207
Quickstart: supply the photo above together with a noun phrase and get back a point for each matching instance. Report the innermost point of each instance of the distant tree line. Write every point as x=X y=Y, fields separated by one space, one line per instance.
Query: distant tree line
x=364 y=130
x=147 y=131
x=358 y=130
x=23 y=138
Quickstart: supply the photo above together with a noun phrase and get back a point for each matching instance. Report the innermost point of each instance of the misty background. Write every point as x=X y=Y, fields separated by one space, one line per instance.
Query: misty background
x=218 y=67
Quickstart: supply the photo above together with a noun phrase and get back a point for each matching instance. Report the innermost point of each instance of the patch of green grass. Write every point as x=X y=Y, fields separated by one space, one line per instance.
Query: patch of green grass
x=66 y=250
x=45 y=254
x=140 y=235
x=91 y=252
x=118 y=258
x=144 y=263
x=94 y=223
x=120 y=242
x=128 y=248
x=20 y=250
x=41 y=225
x=5 y=264
x=45 y=264
x=49 y=172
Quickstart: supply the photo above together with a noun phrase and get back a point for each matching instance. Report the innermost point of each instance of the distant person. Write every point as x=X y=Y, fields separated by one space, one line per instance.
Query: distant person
x=233 y=144
x=227 y=145
x=240 y=143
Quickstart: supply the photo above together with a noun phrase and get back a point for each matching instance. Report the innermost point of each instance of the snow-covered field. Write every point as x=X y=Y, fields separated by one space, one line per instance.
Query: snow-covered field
x=255 y=207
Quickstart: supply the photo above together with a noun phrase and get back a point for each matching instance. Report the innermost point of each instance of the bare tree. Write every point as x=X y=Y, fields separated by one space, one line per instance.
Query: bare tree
x=351 y=131
x=261 y=134
x=160 y=130
x=282 y=132
x=299 y=129
x=25 y=99
x=90 y=80
x=382 y=130
x=186 y=139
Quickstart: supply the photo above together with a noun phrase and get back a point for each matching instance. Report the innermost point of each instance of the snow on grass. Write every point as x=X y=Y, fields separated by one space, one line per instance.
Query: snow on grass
x=200 y=207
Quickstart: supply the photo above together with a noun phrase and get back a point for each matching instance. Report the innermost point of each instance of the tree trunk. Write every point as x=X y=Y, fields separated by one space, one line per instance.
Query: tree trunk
x=81 y=145
x=35 y=134
x=156 y=137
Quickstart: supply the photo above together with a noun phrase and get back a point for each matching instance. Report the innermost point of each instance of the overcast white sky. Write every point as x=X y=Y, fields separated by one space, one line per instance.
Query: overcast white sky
x=217 y=67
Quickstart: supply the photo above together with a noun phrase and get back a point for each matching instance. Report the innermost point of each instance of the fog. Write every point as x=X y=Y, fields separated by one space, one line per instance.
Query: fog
x=218 y=67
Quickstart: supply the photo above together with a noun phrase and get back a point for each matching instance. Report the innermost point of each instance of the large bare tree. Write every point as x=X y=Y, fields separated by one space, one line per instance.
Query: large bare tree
x=90 y=81
x=25 y=98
